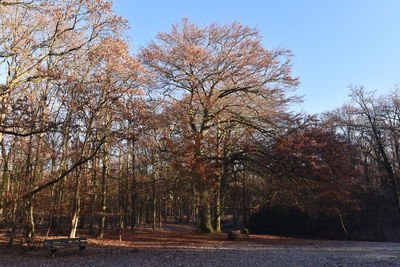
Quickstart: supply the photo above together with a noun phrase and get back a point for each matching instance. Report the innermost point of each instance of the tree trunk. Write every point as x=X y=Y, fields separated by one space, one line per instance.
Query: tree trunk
x=217 y=219
x=134 y=211
x=30 y=224
x=159 y=211
x=104 y=173
x=94 y=197
x=244 y=198
x=5 y=184
x=204 y=211
x=153 y=202
x=13 y=225
x=342 y=222
x=29 y=216
x=76 y=207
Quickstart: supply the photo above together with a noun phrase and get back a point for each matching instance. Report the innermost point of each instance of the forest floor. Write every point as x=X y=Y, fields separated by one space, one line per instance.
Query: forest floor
x=178 y=245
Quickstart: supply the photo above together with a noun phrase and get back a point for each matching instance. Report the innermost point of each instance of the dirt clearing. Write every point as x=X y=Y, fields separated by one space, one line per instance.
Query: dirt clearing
x=177 y=245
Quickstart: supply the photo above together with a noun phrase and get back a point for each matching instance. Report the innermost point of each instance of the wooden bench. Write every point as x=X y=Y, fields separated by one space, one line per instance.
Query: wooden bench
x=238 y=234
x=56 y=244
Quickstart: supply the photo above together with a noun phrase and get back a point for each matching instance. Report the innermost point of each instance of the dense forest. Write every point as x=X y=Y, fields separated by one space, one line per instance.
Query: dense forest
x=197 y=126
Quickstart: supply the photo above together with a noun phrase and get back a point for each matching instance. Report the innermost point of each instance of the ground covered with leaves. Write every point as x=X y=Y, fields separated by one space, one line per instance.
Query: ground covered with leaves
x=178 y=245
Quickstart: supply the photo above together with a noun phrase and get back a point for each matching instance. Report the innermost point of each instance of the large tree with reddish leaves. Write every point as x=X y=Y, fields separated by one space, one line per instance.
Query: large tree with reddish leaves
x=218 y=77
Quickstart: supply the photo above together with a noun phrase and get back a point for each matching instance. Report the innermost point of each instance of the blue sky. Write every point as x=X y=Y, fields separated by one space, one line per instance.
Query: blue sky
x=336 y=43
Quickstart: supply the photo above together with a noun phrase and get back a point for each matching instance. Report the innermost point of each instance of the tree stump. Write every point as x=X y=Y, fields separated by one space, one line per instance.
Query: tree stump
x=238 y=234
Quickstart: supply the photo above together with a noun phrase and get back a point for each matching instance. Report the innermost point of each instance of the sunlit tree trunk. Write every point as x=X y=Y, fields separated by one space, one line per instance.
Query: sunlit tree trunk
x=104 y=182
x=122 y=194
x=134 y=191
x=5 y=183
x=29 y=217
x=217 y=219
x=204 y=211
x=94 y=195
x=4 y=108
x=76 y=208
x=128 y=192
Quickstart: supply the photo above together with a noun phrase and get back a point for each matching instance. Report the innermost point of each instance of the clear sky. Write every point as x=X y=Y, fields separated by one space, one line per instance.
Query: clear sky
x=336 y=43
